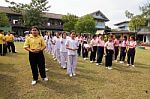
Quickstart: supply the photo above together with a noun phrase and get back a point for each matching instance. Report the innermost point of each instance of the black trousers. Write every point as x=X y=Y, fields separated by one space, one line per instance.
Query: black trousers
x=11 y=46
x=116 y=52
x=109 y=57
x=79 y=50
x=122 y=53
x=93 y=53
x=100 y=53
x=131 y=55
x=3 y=49
x=37 y=62
x=84 y=51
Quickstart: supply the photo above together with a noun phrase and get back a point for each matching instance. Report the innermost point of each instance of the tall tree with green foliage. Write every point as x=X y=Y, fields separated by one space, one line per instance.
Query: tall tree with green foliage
x=4 y=21
x=32 y=12
x=136 y=21
x=69 y=22
x=85 y=24
x=146 y=13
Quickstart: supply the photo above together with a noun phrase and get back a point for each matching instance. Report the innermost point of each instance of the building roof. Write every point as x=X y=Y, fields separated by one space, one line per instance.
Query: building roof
x=48 y=15
x=121 y=23
x=143 y=33
x=103 y=17
x=122 y=32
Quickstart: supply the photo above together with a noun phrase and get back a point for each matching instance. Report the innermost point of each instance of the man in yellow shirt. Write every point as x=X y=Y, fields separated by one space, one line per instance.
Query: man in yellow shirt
x=35 y=45
x=3 y=49
x=10 y=42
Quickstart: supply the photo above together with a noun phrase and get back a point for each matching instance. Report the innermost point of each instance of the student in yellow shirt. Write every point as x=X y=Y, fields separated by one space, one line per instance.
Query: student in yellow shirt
x=35 y=45
x=3 y=49
x=10 y=42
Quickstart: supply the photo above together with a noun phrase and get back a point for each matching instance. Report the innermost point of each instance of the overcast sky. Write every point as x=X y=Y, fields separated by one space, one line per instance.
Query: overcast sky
x=113 y=9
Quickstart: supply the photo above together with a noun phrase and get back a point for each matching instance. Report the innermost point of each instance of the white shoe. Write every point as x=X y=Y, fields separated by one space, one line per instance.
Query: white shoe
x=34 y=82
x=121 y=62
x=91 y=61
x=128 y=64
x=97 y=64
x=116 y=61
x=101 y=63
x=70 y=75
x=74 y=74
x=45 y=79
x=133 y=66
x=46 y=69
x=109 y=68
x=84 y=58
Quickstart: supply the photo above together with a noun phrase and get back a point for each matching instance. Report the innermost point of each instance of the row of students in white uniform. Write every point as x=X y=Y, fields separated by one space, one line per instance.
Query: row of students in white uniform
x=110 y=49
x=64 y=50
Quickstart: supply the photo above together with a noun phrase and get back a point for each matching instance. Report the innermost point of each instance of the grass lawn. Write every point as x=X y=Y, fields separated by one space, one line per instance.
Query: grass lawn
x=91 y=82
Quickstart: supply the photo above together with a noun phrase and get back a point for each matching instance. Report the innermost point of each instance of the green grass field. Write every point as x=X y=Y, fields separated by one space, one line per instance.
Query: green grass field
x=91 y=82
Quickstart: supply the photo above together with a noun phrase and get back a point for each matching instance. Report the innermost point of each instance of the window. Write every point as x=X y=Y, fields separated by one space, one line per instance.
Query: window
x=15 y=21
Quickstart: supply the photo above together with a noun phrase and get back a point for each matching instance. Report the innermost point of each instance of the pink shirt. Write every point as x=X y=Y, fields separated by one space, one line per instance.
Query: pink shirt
x=124 y=43
x=109 y=45
x=100 y=42
x=116 y=42
x=94 y=42
x=132 y=44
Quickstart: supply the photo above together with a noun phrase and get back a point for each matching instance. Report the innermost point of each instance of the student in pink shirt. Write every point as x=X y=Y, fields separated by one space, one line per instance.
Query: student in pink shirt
x=93 y=45
x=116 y=45
x=131 y=52
x=123 y=49
x=109 y=50
x=100 y=49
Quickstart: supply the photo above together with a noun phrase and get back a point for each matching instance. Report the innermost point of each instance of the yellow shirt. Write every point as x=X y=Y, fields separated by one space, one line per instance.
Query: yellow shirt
x=34 y=42
x=2 y=37
x=9 y=38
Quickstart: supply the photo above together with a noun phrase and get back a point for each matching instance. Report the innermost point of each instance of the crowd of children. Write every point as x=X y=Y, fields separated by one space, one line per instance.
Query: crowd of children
x=96 y=45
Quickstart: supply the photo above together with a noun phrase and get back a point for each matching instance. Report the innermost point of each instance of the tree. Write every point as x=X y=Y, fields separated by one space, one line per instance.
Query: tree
x=146 y=13
x=32 y=12
x=136 y=23
x=69 y=22
x=128 y=14
x=4 y=21
x=85 y=24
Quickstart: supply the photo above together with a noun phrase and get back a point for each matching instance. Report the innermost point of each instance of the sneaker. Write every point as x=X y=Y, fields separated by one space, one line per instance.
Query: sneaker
x=97 y=64
x=133 y=66
x=128 y=64
x=34 y=82
x=45 y=79
x=116 y=61
x=70 y=75
x=121 y=62
x=74 y=74
x=109 y=68
x=91 y=61
x=84 y=58
x=46 y=69
x=101 y=63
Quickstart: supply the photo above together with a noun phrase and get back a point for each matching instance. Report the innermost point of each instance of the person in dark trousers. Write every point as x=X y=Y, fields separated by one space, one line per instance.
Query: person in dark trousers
x=109 y=50
x=123 y=49
x=10 y=42
x=79 y=48
x=93 y=45
x=100 y=49
x=35 y=45
x=116 y=45
x=84 y=49
x=3 y=48
x=131 y=51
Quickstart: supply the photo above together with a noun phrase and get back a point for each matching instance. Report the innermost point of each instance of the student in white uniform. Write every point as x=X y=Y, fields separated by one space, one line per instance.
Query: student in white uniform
x=63 y=51
x=72 y=46
x=57 y=47
x=46 y=40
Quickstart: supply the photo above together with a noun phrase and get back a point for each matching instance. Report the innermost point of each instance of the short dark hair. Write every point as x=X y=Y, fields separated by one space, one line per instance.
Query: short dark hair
x=133 y=38
x=1 y=30
x=35 y=27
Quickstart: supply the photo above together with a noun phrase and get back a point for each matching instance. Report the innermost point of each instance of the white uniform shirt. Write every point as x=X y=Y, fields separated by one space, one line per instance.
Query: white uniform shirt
x=72 y=44
x=62 y=45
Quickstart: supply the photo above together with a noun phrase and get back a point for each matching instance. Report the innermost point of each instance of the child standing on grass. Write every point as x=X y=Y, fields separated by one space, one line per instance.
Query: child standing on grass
x=131 y=51
x=72 y=46
x=116 y=45
x=63 y=51
x=35 y=45
x=109 y=50
x=93 y=45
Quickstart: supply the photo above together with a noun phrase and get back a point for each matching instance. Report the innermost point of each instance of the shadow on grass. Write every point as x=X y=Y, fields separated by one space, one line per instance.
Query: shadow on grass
x=144 y=66
x=68 y=89
x=7 y=68
x=8 y=90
